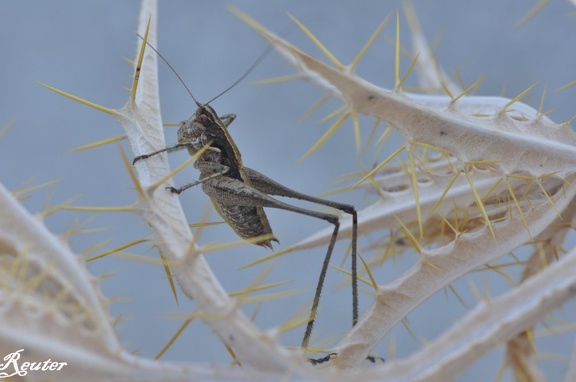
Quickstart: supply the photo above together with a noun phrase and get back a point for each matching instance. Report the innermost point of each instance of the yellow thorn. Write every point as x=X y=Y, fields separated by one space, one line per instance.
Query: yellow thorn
x=94 y=247
x=255 y=313
x=31 y=285
x=531 y=13
x=176 y=170
x=430 y=147
x=326 y=136
x=180 y=167
x=170 y=278
x=117 y=249
x=475 y=292
x=555 y=330
x=380 y=165
x=409 y=236
x=397 y=53
x=23 y=191
x=415 y=190
x=277 y=80
x=175 y=336
x=341 y=109
x=348 y=273
x=252 y=289
x=234 y=244
x=171 y=124
x=520 y=176
x=334 y=191
x=139 y=63
x=48 y=210
x=144 y=259
x=502 y=273
x=356 y=125
x=372 y=279
x=369 y=42
x=448 y=224
x=293 y=324
x=266 y=258
x=232 y=354
x=431 y=265
x=406 y=325
x=480 y=204
x=405 y=76
x=549 y=199
x=255 y=283
x=130 y=168
x=541 y=106
x=248 y=20
x=97 y=144
x=106 y=110
x=446 y=90
x=483 y=162
x=25 y=183
x=200 y=228
x=530 y=336
x=372 y=134
x=385 y=135
x=317 y=42
x=205 y=224
x=501 y=370
x=457 y=295
x=489 y=192
x=569 y=85
x=129 y=60
x=313 y=109
x=96 y=209
x=518 y=208
x=518 y=97
x=467 y=90
x=7 y=127
x=446 y=189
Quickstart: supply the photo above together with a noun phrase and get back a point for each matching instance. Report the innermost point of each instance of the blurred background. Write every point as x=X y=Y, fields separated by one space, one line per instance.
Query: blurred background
x=81 y=48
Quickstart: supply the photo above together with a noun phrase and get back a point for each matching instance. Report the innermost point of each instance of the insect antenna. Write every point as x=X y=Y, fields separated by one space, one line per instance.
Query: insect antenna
x=173 y=71
x=246 y=73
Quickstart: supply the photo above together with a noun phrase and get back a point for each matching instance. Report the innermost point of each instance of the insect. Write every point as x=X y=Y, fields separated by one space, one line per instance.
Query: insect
x=240 y=194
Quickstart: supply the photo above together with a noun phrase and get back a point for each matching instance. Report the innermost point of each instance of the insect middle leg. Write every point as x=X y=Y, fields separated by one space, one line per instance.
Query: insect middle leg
x=176 y=147
x=215 y=170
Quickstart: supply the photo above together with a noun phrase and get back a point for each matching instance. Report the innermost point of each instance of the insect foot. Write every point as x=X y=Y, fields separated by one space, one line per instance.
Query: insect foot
x=331 y=356
x=174 y=190
x=317 y=361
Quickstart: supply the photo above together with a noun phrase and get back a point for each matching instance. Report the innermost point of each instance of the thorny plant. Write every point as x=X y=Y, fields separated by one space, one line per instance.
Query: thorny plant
x=483 y=176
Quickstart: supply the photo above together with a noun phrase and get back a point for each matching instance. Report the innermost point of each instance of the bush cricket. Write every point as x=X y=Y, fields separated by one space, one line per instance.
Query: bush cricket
x=240 y=194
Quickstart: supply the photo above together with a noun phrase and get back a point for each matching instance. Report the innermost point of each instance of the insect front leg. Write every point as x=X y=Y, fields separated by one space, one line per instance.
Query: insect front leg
x=176 y=147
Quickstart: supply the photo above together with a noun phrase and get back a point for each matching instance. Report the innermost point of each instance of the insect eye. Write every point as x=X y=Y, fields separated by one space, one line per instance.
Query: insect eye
x=202 y=119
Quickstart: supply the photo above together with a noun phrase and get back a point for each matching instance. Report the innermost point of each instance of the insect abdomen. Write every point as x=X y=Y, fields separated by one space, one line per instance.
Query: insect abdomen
x=246 y=222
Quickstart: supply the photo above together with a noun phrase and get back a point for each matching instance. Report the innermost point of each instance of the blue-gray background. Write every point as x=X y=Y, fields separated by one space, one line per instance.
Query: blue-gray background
x=79 y=47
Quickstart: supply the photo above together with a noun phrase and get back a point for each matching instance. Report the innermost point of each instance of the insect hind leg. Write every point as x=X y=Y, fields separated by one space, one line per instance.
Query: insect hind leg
x=263 y=183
